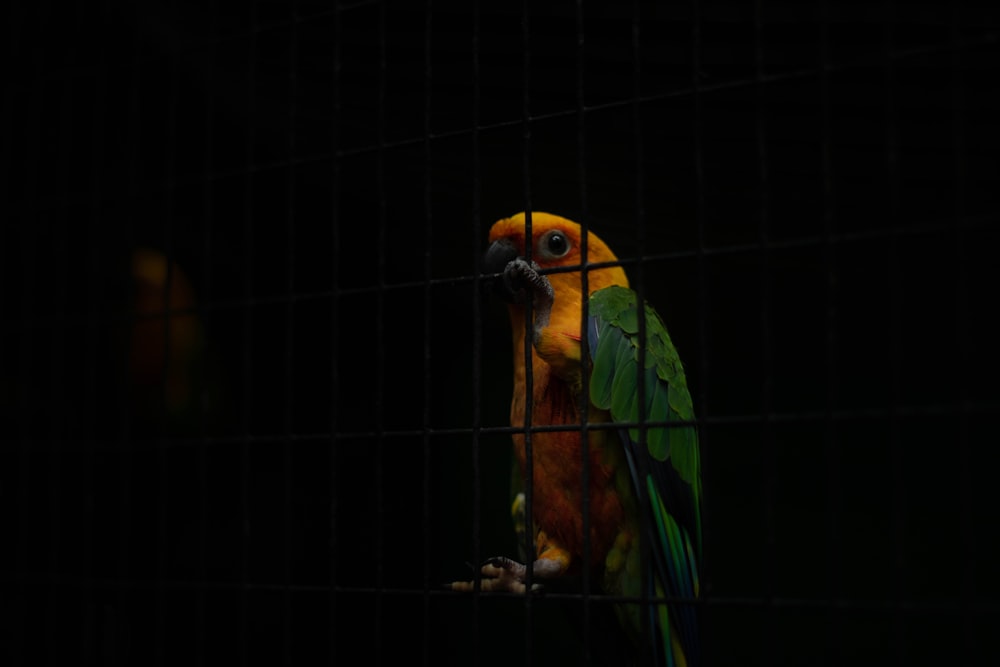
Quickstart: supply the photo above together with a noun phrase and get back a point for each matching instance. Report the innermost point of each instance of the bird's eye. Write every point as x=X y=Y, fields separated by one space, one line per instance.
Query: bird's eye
x=554 y=245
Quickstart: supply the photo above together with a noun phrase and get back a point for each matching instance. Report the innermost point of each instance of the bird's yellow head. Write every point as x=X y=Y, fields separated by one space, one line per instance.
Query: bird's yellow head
x=555 y=243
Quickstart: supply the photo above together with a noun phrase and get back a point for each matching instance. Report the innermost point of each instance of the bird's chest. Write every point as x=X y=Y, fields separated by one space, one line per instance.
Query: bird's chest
x=559 y=481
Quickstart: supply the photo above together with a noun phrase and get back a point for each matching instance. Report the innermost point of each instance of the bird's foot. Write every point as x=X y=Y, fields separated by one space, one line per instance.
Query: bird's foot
x=504 y=575
x=522 y=278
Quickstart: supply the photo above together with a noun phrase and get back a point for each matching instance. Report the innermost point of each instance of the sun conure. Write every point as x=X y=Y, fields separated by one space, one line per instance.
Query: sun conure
x=644 y=487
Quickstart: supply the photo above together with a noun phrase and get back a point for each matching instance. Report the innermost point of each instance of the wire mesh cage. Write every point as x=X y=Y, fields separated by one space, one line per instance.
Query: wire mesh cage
x=256 y=406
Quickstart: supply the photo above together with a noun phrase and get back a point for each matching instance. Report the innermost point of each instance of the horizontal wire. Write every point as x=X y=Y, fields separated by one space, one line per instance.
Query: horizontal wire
x=910 y=413
x=948 y=226
x=910 y=605
x=296 y=19
x=701 y=89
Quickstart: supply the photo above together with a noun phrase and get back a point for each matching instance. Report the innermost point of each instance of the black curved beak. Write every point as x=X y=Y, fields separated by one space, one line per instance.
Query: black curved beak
x=500 y=253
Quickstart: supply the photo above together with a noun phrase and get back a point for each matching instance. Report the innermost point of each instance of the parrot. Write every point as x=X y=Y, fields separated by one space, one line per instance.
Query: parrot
x=167 y=346
x=644 y=481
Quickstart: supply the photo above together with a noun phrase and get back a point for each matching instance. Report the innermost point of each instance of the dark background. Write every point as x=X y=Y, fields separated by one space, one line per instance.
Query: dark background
x=287 y=468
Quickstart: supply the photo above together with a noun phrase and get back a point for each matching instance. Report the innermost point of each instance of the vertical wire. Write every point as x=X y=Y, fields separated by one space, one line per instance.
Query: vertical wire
x=769 y=463
x=57 y=349
x=380 y=338
x=831 y=439
x=428 y=328
x=25 y=361
x=207 y=314
x=704 y=328
x=529 y=383
x=647 y=592
x=126 y=449
x=96 y=314
x=477 y=329
x=162 y=463
x=290 y=214
x=58 y=325
x=334 y=329
x=30 y=320
x=29 y=358
x=584 y=397
x=967 y=525
x=247 y=351
x=896 y=455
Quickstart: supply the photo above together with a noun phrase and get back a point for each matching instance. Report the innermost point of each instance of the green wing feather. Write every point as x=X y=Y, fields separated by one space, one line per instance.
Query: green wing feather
x=666 y=471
